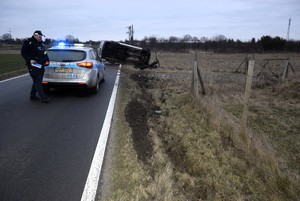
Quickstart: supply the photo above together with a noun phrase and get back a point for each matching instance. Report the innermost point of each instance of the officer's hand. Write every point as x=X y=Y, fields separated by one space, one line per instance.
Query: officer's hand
x=32 y=61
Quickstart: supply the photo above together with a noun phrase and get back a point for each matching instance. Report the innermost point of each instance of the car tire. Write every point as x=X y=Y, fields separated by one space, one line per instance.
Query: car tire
x=103 y=79
x=46 y=89
x=96 y=88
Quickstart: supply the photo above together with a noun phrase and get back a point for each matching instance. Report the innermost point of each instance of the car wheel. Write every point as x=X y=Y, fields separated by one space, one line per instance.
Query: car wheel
x=103 y=78
x=95 y=89
x=46 y=89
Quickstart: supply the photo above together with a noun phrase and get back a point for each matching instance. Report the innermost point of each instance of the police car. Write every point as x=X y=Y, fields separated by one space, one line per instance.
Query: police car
x=73 y=65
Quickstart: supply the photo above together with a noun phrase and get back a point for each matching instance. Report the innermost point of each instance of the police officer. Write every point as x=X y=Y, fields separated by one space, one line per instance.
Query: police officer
x=35 y=55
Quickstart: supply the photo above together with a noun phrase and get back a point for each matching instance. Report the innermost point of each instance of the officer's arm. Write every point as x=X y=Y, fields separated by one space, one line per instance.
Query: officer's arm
x=25 y=51
x=43 y=59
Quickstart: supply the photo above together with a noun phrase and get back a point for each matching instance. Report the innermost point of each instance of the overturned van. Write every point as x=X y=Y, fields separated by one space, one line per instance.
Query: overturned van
x=123 y=53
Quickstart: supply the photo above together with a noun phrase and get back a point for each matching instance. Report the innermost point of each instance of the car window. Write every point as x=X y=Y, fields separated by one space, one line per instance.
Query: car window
x=92 y=55
x=98 y=57
x=66 y=55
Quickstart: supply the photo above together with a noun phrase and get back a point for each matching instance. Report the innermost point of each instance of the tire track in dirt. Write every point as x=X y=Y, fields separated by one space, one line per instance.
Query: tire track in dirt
x=136 y=113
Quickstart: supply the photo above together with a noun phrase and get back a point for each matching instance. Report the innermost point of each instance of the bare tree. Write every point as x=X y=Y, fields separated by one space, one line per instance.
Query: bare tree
x=6 y=37
x=219 y=38
x=203 y=39
x=173 y=39
x=187 y=38
x=72 y=39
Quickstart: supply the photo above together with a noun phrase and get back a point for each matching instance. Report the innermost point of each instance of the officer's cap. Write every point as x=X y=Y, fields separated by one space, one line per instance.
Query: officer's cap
x=38 y=32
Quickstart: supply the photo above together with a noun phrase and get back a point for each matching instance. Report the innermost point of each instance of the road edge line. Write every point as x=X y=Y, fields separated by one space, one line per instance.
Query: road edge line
x=12 y=78
x=92 y=181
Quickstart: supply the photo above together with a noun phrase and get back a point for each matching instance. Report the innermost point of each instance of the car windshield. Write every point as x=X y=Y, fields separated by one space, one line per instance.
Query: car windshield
x=66 y=55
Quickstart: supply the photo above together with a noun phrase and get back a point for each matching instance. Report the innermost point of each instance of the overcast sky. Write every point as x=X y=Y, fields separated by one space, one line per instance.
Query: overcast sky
x=108 y=19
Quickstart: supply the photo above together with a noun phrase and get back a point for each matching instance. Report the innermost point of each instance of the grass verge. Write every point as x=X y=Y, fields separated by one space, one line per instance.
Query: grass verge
x=11 y=62
x=198 y=149
x=11 y=65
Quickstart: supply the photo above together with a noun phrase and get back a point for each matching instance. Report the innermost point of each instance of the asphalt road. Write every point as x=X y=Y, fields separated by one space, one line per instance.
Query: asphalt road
x=46 y=149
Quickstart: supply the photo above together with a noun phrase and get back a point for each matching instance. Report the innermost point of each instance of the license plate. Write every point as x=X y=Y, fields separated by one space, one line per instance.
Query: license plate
x=71 y=76
x=63 y=70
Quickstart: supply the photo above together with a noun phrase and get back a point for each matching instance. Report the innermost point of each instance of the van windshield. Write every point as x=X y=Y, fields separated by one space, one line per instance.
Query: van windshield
x=66 y=55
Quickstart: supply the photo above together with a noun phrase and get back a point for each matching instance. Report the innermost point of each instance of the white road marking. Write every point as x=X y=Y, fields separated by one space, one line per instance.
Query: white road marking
x=14 y=78
x=91 y=184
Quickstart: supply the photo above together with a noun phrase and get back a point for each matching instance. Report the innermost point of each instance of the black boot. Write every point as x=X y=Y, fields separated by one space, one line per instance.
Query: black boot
x=45 y=100
x=34 y=98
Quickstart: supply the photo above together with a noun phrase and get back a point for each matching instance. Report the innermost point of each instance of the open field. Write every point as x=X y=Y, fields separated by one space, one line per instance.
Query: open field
x=11 y=62
x=169 y=146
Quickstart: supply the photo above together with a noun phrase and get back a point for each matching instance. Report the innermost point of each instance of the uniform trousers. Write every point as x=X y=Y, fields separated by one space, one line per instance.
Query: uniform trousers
x=37 y=78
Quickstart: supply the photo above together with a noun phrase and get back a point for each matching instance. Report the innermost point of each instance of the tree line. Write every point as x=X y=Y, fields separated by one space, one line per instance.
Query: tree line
x=221 y=44
x=218 y=43
x=8 y=39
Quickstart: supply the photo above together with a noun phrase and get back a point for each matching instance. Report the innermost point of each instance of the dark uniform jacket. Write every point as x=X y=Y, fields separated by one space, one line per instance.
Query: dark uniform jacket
x=34 y=50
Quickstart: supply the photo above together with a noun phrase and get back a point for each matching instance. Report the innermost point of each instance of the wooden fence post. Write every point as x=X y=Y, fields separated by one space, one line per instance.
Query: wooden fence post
x=247 y=94
x=285 y=70
x=195 y=79
x=201 y=80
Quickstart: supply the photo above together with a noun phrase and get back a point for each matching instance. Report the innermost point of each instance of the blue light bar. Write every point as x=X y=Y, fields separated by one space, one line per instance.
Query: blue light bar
x=61 y=44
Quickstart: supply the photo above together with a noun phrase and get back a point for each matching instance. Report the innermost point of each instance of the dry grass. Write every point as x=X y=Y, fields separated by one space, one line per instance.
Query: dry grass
x=199 y=150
